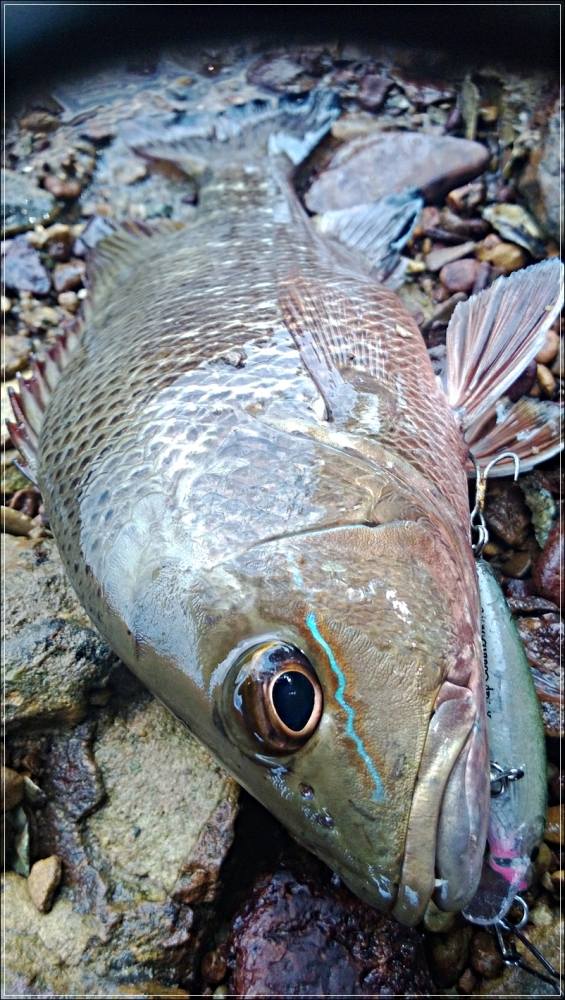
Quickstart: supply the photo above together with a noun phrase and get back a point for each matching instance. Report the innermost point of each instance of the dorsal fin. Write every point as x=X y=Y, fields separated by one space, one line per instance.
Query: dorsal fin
x=30 y=401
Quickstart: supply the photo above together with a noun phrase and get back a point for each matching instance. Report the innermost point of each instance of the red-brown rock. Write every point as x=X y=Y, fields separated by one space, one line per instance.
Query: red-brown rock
x=547 y=571
x=460 y=275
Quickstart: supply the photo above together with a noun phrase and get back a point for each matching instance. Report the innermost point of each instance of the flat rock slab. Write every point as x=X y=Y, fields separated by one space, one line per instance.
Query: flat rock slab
x=369 y=168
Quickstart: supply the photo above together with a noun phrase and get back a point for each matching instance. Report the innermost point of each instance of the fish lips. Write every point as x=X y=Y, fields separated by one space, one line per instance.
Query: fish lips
x=447 y=828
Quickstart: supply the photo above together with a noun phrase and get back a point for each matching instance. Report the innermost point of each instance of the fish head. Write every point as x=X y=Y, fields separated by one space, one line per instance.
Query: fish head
x=342 y=674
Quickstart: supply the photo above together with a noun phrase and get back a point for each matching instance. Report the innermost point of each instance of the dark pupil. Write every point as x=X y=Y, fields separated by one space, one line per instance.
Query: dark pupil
x=293 y=698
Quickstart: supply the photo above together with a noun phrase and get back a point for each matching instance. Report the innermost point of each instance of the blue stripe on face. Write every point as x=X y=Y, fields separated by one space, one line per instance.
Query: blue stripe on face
x=311 y=624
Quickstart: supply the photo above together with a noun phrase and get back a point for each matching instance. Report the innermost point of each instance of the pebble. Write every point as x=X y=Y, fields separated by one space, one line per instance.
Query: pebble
x=449 y=954
x=555 y=824
x=280 y=72
x=6 y=304
x=38 y=121
x=467 y=982
x=96 y=229
x=523 y=383
x=25 y=204
x=373 y=90
x=546 y=381
x=465 y=228
x=43 y=881
x=547 y=569
x=22 y=270
x=15 y=523
x=15 y=353
x=214 y=966
x=486 y=959
x=460 y=275
x=70 y=276
x=558 y=366
x=506 y=512
x=541 y=915
x=550 y=349
x=464 y=200
x=516 y=224
x=69 y=301
x=12 y=788
x=446 y=255
x=57 y=240
x=542 y=637
x=66 y=188
x=507 y=256
x=405 y=159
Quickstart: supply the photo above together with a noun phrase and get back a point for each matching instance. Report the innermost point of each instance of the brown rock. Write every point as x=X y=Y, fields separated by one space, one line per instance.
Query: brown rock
x=486 y=959
x=68 y=277
x=524 y=382
x=300 y=936
x=550 y=349
x=460 y=275
x=66 y=188
x=446 y=255
x=543 y=638
x=15 y=354
x=214 y=966
x=554 y=829
x=546 y=381
x=449 y=954
x=15 y=523
x=12 y=788
x=373 y=90
x=366 y=169
x=464 y=200
x=467 y=983
x=506 y=513
x=22 y=269
x=43 y=881
x=280 y=72
x=547 y=570
x=507 y=256
x=69 y=301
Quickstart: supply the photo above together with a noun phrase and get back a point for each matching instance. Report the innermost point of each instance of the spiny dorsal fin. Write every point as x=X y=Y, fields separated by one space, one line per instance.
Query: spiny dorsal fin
x=30 y=401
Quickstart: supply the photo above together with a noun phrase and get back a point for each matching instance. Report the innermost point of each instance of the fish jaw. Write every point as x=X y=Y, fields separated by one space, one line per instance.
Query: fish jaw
x=398 y=739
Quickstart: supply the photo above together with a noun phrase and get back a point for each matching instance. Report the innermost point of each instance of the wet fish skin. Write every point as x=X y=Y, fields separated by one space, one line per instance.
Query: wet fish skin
x=201 y=508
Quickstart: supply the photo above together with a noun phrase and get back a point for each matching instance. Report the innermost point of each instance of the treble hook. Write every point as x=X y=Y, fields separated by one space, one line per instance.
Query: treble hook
x=511 y=955
x=478 y=522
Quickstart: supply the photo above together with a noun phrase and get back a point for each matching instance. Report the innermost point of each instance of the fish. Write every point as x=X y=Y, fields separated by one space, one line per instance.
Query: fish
x=258 y=487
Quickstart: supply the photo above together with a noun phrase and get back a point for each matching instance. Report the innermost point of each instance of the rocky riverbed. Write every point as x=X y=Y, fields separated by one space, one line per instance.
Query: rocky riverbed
x=134 y=865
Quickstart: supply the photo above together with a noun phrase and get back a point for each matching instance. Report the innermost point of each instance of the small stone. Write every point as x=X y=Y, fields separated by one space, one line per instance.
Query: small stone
x=43 y=881
x=446 y=255
x=516 y=563
x=507 y=256
x=544 y=859
x=434 y=164
x=546 y=381
x=38 y=121
x=547 y=576
x=66 y=188
x=96 y=229
x=506 y=513
x=25 y=204
x=12 y=788
x=558 y=366
x=464 y=200
x=467 y=983
x=555 y=824
x=437 y=921
x=373 y=90
x=486 y=959
x=69 y=301
x=489 y=113
x=460 y=275
x=557 y=880
x=15 y=353
x=6 y=304
x=70 y=276
x=550 y=349
x=214 y=966
x=524 y=382
x=449 y=954
x=15 y=523
x=514 y=223
x=543 y=637
x=22 y=269
x=541 y=915
x=464 y=228
x=280 y=72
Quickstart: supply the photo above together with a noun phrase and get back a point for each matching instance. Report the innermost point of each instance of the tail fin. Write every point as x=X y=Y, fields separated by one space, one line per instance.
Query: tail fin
x=491 y=339
x=290 y=126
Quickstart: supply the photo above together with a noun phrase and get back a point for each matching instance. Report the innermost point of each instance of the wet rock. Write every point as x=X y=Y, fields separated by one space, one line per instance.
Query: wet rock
x=542 y=506
x=39 y=121
x=460 y=275
x=547 y=569
x=486 y=959
x=280 y=72
x=297 y=936
x=12 y=788
x=467 y=983
x=523 y=383
x=66 y=188
x=214 y=966
x=25 y=204
x=15 y=354
x=57 y=240
x=555 y=825
x=506 y=513
x=22 y=270
x=449 y=954
x=43 y=882
x=543 y=638
x=15 y=523
x=68 y=277
x=550 y=349
x=507 y=256
x=464 y=228
x=442 y=256
x=541 y=181
x=434 y=164
x=516 y=982
x=546 y=381
x=422 y=92
x=69 y=301
x=373 y=90
x=514 y=223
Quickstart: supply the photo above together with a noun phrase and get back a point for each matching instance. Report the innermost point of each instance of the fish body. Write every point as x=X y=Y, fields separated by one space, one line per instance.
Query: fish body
x=259 y=491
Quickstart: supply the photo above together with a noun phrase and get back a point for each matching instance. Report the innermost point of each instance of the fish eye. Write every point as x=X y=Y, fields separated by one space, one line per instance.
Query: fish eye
x=278 y=696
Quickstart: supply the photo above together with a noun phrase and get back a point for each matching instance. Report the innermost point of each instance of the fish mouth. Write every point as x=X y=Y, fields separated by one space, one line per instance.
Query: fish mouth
x=447 y=825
